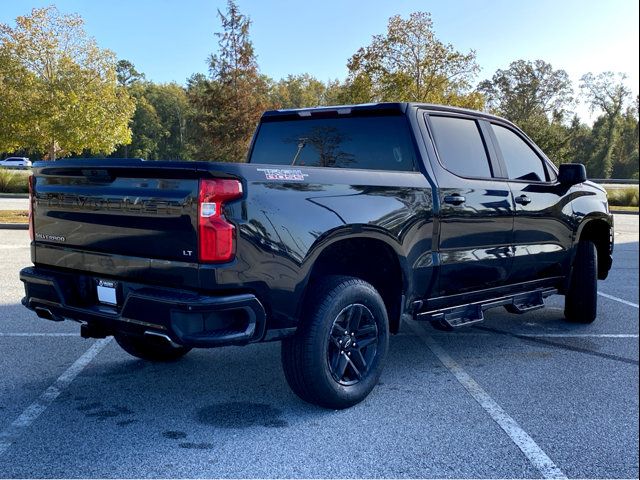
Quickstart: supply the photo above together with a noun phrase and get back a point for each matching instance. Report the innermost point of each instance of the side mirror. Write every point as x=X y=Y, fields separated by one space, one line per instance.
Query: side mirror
x=572 y=173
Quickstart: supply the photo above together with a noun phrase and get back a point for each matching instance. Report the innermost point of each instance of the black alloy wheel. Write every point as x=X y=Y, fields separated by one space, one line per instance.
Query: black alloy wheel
x=336 y=356
x=353 y=345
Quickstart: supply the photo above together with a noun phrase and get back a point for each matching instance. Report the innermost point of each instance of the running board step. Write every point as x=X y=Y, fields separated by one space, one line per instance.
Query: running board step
x=526 y=303
x=457 y=317
x=463 y=315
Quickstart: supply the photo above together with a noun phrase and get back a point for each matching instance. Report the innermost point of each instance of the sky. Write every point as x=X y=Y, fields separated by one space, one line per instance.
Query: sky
x=168 y=40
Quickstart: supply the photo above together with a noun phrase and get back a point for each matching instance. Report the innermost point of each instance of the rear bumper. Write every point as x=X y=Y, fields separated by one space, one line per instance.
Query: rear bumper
x=187 y=318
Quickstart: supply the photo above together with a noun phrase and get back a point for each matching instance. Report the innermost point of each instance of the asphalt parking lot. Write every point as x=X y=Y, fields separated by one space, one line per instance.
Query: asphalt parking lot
x=519 y=396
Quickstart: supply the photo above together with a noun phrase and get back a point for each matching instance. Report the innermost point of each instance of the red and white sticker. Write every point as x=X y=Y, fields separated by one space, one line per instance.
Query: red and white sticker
x=283 y=174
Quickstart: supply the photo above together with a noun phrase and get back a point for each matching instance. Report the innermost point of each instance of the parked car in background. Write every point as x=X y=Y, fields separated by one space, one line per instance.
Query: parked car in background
x=15 y=162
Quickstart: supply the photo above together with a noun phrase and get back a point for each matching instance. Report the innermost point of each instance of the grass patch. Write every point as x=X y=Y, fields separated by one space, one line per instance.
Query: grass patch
x=623 y=197
x=14 y=216
x=615 y=209
x=14 y=181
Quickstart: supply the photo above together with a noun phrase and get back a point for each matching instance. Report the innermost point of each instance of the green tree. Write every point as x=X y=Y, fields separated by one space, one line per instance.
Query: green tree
x=58 y=88
x=172 y=105
x=606 y=93
x=146 y=128
x=297 y=91
x=538 y=99
x=197 y=86
x=229 y=104
x=596 y=148
x=334 y=93
x=626 y=152
x=358 y=88
x=580 y=142
x=409 y=63
x=127 y=74
x=528 y=89
x=160 y=123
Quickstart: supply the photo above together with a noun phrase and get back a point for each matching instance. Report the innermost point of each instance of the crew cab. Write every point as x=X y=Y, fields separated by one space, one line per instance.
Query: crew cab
x=342 y=223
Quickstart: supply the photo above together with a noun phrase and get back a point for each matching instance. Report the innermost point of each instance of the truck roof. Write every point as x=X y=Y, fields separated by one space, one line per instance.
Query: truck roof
x=373 y=108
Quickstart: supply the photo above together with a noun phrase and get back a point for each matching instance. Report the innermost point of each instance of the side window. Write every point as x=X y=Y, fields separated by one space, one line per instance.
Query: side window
x=521 y=161
x=460 y=146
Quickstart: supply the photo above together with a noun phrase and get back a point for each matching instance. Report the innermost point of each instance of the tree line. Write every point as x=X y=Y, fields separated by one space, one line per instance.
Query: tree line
x=61 y=95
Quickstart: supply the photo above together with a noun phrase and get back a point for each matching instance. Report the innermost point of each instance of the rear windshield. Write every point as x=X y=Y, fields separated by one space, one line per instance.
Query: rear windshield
x=374 y=143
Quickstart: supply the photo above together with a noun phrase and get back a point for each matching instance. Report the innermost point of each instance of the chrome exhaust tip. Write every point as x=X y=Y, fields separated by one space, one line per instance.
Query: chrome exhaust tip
x=163 y=336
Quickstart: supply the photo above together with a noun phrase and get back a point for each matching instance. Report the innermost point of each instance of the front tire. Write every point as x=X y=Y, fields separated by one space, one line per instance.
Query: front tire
x=581 y=299
x=151 y=349
x=336 y=356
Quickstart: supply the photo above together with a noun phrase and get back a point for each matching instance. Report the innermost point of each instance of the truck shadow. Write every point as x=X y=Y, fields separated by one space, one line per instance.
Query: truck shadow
x=244 y=387
x=224 y=389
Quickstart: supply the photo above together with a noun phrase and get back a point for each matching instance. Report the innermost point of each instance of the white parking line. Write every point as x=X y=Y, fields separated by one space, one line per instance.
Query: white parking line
x=611 y=297
x=538 y=458
x=538 y=335
x=33 y=411
x=35 y=334
x=577 y=335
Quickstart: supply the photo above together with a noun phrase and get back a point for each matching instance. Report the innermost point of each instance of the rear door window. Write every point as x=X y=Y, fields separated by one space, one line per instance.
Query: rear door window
x=375 y=143
x=522 y=162
x=460 y=146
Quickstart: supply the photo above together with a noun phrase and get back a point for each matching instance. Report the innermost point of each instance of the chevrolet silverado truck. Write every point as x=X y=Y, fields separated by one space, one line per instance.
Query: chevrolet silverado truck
x=342 y=223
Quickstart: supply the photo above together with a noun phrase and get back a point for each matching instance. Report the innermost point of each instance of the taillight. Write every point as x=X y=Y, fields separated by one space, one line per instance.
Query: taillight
x=30 y=182
x=216 y=236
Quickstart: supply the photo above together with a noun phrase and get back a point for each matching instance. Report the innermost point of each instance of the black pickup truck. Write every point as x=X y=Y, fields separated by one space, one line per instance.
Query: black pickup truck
x=343 y=222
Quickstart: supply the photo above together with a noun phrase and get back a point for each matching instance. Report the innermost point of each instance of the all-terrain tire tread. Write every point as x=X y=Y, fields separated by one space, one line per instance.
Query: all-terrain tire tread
x=298 y=351
x=581 y=299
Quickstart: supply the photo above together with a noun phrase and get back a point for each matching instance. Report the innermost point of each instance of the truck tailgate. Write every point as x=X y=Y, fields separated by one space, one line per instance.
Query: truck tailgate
x=118 y=218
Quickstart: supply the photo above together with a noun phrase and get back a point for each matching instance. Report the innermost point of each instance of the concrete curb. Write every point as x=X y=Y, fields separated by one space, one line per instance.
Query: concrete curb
x=623 y=212
x=14 y=226
x=14 y=195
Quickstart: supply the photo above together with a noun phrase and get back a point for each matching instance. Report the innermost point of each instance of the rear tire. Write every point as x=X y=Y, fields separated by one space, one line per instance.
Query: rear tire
x=151 y=349
x=336 y=356
x=581 y=299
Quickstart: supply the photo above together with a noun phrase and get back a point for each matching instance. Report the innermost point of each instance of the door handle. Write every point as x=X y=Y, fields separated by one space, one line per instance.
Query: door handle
x=523 y=200
x=454 y=199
